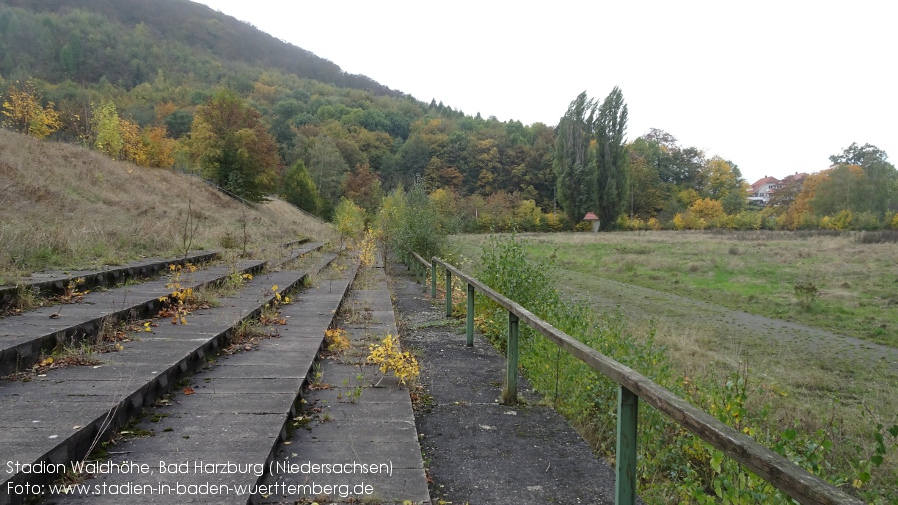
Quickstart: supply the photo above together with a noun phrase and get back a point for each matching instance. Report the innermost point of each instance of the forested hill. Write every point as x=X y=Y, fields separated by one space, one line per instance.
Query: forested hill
x=129 y=41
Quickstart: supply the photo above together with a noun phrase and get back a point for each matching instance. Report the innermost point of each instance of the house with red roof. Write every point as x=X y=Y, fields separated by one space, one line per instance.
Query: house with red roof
x=762 y=189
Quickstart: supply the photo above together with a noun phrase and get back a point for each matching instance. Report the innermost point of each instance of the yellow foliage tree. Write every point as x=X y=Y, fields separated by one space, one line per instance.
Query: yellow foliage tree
x=707 y=209
x=160 y=149
x=25 y=113
x=105 y=121
x=133 y=147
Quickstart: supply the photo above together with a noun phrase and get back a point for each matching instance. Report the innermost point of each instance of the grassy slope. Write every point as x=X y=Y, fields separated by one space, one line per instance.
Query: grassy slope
x=62 y=206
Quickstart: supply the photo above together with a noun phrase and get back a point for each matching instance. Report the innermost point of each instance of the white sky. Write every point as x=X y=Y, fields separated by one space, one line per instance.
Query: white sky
x=775 y=86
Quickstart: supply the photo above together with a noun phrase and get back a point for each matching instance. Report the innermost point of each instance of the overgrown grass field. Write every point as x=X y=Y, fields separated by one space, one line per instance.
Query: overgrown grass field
x=857 y=283
x=803 y=394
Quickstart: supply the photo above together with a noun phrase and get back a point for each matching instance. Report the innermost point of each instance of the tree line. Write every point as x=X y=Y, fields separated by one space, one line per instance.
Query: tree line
x=258 y=130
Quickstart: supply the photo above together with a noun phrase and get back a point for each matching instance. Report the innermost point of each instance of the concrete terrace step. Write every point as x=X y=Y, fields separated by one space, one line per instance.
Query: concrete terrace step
x=237 y=414
x=58 y=418
x=375 y=428
x=23 y=337
x=56 y=282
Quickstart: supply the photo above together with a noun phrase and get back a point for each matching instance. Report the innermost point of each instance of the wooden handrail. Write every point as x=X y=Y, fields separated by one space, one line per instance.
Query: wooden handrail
x=784 y=475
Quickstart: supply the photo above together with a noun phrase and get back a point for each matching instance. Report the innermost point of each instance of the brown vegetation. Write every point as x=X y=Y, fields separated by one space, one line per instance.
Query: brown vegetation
x=62 y=206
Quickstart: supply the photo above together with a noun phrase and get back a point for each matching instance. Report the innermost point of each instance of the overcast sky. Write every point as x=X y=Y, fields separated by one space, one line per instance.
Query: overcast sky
x=776 y=87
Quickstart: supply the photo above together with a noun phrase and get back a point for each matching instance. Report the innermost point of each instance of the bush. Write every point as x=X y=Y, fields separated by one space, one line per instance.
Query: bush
x=410 y=222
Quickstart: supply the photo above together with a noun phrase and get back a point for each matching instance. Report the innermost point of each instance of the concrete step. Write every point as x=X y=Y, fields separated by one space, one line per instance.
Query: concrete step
x=54 y=283
x=58 y=418
x=24 y=337
x=237 y=413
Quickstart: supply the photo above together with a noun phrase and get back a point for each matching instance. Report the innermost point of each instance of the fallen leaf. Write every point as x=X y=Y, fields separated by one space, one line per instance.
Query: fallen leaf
x=55 y=315
x=189 y=390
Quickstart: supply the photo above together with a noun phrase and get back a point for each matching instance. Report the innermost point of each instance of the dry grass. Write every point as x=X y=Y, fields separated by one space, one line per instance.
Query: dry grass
x=62 y=206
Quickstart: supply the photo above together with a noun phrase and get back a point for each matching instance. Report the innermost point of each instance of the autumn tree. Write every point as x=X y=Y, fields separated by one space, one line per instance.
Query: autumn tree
x=725 y=184
x=160 y=149
x=572 y=162
x=233 y=146
x=364 y=188
x=25 y=113
x=612 y=174
x=105 y=125
x=349 y=219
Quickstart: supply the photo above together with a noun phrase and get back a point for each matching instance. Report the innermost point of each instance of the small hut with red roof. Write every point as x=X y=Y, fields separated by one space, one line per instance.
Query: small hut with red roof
x=592 y=219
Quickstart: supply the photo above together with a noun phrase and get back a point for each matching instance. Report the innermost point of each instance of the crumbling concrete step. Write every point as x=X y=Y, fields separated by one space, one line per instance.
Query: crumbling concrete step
x=371 y=434
x=51 y=283
x=305 y=249
x=23 y=337
x=58 y=418
x=216 y=443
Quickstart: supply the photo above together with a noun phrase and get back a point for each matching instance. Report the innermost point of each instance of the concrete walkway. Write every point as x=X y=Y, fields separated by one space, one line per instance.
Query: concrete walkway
x=479 y=451
x=355 y=441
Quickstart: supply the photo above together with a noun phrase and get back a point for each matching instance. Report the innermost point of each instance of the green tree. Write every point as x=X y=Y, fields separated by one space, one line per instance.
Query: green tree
x=233 y=146
x=572 y=162
x=349 y=219
x=725 y=184
x=646 y=190
x=612 y=173
x=328 y=168
x=299 y=188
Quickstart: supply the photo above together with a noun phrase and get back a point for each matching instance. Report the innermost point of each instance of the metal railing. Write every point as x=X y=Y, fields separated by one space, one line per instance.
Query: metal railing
x=781 y=473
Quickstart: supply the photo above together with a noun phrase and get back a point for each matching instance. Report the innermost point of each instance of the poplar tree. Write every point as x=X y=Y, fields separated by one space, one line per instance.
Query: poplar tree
x=612 y=173
x=573 y=163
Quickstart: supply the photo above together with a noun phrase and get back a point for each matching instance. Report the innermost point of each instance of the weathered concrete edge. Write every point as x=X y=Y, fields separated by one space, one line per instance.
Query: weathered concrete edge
x=282 y=435
x=102 y=278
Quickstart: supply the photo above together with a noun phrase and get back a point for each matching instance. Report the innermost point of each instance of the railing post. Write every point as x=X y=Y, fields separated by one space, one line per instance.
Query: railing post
x=448 y=293
x=625 y=466
x=510 y=395
x=433 y=278
x=470 y=322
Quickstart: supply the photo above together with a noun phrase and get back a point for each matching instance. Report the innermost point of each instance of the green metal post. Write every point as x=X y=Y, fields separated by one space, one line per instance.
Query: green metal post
x=433 y=279
x=448 y=293
x=510 y=395
x=627 y=415
x=470 y=325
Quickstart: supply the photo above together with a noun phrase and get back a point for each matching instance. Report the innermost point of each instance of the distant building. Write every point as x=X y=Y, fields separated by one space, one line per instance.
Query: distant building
x=762 y=189
x=592 y=219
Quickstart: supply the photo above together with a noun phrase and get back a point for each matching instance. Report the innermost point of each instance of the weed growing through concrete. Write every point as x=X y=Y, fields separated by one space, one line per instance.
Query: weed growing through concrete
x=391 y=358
x=181 y=301
x=336 y=339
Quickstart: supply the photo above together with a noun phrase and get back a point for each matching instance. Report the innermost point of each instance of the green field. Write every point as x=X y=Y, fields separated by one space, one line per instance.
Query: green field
x=723 y=302
x=752 y=271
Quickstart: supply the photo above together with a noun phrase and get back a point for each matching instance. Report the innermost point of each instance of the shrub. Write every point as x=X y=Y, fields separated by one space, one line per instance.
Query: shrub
x=409 y=221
